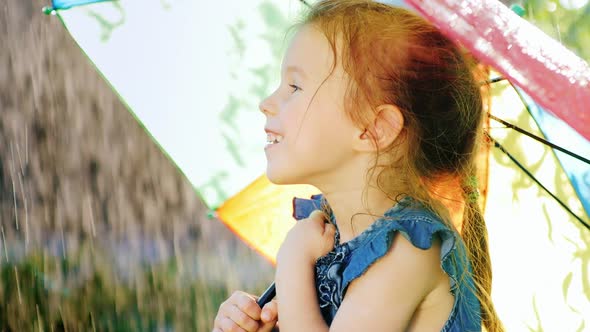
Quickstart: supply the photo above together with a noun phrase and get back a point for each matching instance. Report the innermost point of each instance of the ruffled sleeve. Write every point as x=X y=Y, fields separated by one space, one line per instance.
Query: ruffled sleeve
x=303 y=207
x=419 y=227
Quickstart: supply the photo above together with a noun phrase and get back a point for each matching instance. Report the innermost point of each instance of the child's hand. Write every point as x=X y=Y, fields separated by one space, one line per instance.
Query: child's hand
x=269 y=316
x=241 y=313
x=308 y=240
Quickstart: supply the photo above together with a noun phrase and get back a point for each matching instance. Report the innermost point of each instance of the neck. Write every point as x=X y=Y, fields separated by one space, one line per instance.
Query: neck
x=355 y=199
x=353 y=212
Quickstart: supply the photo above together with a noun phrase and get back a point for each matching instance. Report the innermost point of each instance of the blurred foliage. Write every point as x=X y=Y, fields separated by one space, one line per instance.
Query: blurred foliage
x=155 y=301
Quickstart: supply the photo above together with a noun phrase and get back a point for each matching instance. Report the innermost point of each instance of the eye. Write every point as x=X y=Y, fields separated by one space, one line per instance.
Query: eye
x=295 y=87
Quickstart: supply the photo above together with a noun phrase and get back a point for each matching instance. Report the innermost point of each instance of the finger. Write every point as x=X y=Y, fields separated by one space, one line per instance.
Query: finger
x=248 y=305
x=329 y=230
x=242 y=319
x=329 y=237
x=227 y=325
x=240 y=295
x=267 y=327
x=318 y=215
x=222 y=311
x=269 y=312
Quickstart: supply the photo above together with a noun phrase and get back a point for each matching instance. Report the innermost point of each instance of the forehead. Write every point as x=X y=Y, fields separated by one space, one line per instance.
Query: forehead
x=309 y=54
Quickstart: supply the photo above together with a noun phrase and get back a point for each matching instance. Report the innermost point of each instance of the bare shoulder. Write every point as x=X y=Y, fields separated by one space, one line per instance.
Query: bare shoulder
x=392 y=289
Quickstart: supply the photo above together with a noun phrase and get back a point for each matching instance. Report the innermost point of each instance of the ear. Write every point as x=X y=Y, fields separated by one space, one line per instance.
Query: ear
x=386 y=127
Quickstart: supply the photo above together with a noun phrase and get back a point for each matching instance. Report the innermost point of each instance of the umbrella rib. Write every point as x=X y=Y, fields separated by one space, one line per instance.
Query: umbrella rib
x=539 y=139
x=522 y=131
x=499 y=146
x=493 y=80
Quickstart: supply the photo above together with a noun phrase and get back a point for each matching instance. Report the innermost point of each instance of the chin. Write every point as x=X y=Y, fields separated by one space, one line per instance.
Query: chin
x=278 y=180
x=281 y=178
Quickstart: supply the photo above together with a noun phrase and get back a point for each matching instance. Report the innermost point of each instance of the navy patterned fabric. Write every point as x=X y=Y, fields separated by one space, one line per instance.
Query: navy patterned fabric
x=348 y=261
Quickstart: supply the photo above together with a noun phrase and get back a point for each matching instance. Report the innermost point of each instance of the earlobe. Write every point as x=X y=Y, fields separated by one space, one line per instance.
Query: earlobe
x=384 y=130
x=365 y=134
x=364 y=141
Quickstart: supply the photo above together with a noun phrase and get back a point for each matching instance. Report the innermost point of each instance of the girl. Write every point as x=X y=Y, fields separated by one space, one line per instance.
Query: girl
x=380 y=111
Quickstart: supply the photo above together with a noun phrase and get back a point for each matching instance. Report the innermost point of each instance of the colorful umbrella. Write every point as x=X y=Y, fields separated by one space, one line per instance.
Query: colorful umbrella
x=193 y=76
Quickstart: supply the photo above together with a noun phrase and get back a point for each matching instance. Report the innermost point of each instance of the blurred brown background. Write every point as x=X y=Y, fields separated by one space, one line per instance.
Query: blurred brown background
x=99 y=230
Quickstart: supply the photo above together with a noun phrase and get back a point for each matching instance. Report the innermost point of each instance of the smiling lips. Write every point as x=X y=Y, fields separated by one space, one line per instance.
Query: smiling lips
x=272 y=137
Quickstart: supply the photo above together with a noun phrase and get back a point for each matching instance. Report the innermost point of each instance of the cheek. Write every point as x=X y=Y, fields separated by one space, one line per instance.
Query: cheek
x=293 y=118
x=323 y=136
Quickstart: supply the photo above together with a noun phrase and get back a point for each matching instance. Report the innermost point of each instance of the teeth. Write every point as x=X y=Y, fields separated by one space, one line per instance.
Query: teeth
x=273 y=139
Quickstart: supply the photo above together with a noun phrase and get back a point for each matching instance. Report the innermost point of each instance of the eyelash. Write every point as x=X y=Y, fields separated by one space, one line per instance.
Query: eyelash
x=295 y=87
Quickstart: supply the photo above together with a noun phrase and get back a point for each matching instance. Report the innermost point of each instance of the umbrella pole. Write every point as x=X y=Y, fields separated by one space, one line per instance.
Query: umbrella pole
x=267 y=296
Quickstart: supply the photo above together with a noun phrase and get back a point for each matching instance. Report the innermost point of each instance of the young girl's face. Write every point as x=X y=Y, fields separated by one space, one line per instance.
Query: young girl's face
x=316 y=136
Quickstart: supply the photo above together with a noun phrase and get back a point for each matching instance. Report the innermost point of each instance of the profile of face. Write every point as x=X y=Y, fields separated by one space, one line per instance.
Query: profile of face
x=306 y=116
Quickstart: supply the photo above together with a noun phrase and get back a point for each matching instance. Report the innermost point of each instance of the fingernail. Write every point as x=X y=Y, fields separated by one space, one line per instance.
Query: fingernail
x=265 y=316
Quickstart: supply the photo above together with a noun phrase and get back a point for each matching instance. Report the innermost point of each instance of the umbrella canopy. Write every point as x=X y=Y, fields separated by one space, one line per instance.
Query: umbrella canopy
x=194 y=80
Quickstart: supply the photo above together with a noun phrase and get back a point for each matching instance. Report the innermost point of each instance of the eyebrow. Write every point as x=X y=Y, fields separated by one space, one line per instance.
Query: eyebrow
x=296 y=69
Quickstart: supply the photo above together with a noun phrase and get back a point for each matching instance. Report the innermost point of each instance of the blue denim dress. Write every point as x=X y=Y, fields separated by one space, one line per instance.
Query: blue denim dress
x=348 y=261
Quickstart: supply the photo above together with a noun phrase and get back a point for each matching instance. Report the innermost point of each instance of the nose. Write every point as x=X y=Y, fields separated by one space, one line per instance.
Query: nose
x=266 y=106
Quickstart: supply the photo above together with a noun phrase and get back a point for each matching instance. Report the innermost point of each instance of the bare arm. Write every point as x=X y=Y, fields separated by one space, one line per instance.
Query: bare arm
x=386 y=296
x=297 y=299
